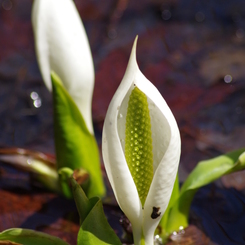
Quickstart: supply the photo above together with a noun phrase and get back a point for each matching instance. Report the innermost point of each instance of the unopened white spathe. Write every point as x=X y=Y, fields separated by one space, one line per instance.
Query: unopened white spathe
x=166 y=153
x=62 y=46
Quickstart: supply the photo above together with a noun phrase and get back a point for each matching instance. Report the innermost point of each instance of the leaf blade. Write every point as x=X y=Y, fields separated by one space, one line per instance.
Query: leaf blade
x=94 y=227
x=30 y=237
x=204 y=173
x=75 y=146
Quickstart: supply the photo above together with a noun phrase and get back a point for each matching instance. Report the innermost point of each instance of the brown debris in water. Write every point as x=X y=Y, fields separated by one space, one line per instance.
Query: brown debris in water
x=234 y=180
x=81 y=176
x=189 y=236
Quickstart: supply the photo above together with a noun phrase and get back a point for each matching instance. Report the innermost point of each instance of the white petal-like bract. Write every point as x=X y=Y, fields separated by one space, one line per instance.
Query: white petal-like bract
x=166 y=153
x=62 y=46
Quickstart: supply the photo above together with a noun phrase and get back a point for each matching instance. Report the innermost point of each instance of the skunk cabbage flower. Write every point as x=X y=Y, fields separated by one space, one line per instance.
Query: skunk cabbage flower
x=63 y=53
x=62 y=46
x=141 y=151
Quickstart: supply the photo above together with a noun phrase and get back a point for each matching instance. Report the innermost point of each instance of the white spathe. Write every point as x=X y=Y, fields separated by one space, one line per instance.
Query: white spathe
x=166 y=153
x=62 y=46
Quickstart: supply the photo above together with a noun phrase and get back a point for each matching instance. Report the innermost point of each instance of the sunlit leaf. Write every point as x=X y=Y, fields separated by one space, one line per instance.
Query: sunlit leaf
x=29 y=237
x=75 y=146
x=94 y=228
x=204 y=173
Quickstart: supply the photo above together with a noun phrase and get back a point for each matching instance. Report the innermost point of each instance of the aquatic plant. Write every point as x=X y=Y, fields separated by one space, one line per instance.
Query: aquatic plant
x=140 y=146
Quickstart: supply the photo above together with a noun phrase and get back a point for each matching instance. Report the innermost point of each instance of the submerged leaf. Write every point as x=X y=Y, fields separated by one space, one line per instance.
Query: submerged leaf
x=42 y=167
x=75 y=146
x=94 y=227
x=29 y=237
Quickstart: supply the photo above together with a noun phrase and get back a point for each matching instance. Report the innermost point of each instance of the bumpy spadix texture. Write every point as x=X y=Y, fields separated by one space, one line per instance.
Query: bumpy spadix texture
x=138 y=142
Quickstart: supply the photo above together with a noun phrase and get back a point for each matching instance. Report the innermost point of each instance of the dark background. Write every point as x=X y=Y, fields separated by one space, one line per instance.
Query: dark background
x=193 y=51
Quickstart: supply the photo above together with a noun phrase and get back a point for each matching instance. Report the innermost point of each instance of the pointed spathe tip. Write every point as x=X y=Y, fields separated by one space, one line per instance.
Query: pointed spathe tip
x=135 y=40
x=132 y=60
x=133 y=52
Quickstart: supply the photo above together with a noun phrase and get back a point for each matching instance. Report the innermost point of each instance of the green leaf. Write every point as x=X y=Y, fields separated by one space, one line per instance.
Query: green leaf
x=75 y=146
x=204 y=173
x=94 y=228
x=30 y=237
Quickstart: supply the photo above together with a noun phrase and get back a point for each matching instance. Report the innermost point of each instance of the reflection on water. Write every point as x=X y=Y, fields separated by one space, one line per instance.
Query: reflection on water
x=37 y=102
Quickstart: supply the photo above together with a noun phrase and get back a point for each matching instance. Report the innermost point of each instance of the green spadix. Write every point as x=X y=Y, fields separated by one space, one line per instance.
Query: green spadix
x=138 y=142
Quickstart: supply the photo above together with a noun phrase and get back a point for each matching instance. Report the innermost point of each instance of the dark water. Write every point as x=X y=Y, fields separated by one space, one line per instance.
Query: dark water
x=221 y=214
x=193 y=51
